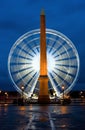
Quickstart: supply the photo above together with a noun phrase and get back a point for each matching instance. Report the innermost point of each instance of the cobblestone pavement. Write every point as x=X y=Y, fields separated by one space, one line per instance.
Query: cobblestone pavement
x=35 y=117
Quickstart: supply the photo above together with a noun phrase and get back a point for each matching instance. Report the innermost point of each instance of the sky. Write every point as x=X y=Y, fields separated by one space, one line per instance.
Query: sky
x=20 y=16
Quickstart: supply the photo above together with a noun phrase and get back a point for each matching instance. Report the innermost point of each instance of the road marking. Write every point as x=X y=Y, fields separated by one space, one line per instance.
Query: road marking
x=51 y=122
x=34 y=116
x=30 y=122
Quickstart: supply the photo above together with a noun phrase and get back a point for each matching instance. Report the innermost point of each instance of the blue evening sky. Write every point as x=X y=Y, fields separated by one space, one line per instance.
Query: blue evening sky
x=20 y=16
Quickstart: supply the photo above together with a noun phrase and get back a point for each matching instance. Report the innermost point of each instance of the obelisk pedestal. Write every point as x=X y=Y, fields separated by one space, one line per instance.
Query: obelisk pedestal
x=43 y=79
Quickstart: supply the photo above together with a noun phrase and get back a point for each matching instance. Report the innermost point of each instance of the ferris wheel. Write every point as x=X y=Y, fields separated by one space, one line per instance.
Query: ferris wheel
x=62 y=62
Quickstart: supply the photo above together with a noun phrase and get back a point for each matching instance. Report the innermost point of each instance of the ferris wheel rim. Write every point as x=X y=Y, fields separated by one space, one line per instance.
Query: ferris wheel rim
x=47 y=31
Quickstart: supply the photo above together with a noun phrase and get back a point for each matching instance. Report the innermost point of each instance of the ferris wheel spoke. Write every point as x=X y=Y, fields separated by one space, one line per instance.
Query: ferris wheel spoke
x=54 y=84
x=28 y=45
x=32 y=50
x=31 y=78
x=51 y=37
x=67 y=77
x=61 y=74
x=20 y=70
x=66 y=65
x=20 y=60
x=61 y=78
x=24 y=75
x=32 y=46
x=19 y=64
x=56 y=77
x=30 y=53
x=37 y=47
x=18 y=78
x=63 y=53
x=59 y=45
x=21 y=56
x=51 y=42
x=51 y=48
x=32 y=83
x=62 y=57
x=35 y=77
x=67 y=58
x=65 y=72
x=72 y=71
x=62 y=63
x=36 y=42
x=24 y=51
x=28 y=50
x=53 y=79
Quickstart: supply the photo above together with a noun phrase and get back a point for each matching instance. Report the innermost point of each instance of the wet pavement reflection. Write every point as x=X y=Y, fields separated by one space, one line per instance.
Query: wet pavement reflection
x=39 y=117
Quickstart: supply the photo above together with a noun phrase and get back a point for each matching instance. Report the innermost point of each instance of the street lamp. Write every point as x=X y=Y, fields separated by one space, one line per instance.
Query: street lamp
x=63 y=87
x=5 y=93
x=6 y=96
x=81 y=94
x=22 y=88
x=0 y=95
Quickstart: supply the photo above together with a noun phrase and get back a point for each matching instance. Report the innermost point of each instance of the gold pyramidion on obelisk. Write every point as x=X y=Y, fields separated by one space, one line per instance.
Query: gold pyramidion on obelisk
x=43 y=79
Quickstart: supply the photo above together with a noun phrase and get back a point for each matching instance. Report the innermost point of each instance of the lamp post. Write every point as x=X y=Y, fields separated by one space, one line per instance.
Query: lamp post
x=22 y=88
x=63 y=87
x=0 y=95
x=6 y=96
x=81 y=95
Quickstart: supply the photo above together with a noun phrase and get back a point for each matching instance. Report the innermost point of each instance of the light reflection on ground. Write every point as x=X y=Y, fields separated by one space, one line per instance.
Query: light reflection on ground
x=36 y=117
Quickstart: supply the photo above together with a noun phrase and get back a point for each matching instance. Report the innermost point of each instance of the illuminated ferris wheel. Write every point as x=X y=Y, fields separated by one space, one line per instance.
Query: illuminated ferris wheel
x=62 y=62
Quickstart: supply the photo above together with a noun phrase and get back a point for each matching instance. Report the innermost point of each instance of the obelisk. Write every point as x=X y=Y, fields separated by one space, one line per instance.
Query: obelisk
x=43 y=78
